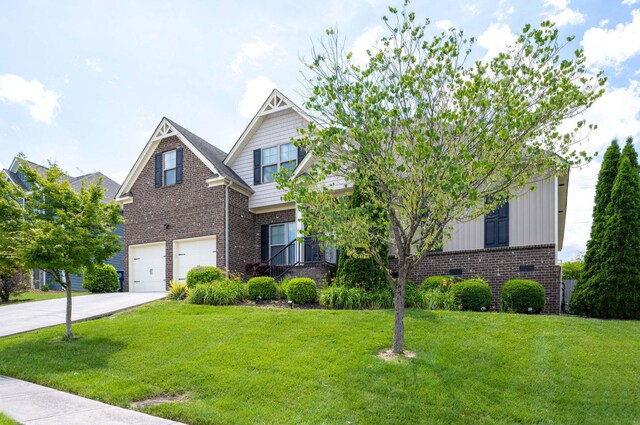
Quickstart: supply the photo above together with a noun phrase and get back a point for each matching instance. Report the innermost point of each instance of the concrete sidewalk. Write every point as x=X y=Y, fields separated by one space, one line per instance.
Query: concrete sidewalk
x=23 y=317
x=34 y=404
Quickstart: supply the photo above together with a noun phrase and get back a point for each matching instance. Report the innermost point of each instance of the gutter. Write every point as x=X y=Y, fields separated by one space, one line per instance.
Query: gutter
x=226 y=227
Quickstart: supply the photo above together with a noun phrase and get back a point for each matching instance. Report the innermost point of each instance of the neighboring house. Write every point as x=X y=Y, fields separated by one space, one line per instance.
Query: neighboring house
x=187 y=203
x=13 y=174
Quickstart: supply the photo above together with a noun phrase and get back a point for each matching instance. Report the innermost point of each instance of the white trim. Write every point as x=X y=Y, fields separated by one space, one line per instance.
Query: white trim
x=150 y=148
x=124 y=200
x=273 y=208
x=130 y=264
x=223 y=181
x=259 y=117
x=174 y=269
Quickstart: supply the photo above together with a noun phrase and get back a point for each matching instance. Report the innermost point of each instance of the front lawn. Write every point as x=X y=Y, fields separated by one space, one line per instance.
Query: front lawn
x=5 y=420
x=260 y=365
x=39 y=296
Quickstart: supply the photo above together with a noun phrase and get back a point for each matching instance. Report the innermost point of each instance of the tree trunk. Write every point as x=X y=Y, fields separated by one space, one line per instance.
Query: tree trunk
x=398 y=301
x=68 y=315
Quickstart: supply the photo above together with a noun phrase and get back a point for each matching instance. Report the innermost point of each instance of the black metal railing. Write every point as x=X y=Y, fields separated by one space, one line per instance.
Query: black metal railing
x=306 y=250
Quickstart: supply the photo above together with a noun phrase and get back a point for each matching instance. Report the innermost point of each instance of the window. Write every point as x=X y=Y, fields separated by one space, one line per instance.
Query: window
x=280 y=235
x=273 y=158
x=169 y=168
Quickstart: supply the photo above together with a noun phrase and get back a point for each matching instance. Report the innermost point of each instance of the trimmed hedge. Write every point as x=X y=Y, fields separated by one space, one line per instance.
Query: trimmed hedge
x=263 y=287
x=101 y=278
x=224 y=292
x=472 y=294
x=203 y=274
x=302 y=290
x=435 y=282
x=518 y=295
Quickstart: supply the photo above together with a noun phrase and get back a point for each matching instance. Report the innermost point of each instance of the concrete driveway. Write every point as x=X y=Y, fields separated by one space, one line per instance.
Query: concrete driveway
x=24 y=317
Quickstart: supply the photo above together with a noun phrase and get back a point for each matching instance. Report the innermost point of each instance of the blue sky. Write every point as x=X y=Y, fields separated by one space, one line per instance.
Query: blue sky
x=85 y=83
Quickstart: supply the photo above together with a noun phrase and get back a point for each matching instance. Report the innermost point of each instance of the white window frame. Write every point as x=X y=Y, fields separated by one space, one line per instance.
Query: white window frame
x=175 y=167
x=278 y=162
x=287 y=229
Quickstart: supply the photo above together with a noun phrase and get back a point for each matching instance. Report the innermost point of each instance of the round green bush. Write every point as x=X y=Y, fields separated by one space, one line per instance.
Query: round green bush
x=263 y=287
x=203 y=274
x=518 y=295
x=302 y=290
x=472 y=294
x=101 y=278
x=435 y=282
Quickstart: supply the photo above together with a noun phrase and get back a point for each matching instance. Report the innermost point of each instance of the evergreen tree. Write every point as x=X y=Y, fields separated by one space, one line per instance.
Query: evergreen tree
x=630 y=152
x=580 y=302
x=616 y=286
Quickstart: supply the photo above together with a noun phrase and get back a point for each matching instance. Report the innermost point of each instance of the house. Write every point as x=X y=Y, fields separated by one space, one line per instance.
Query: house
x=13 y=174
x=187 y=203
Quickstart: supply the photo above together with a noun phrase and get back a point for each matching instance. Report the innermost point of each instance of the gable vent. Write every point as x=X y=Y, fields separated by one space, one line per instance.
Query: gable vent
x=164 y=131
x=275 y=103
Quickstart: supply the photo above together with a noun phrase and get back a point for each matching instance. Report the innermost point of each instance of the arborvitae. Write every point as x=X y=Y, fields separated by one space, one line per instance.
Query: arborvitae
x=615 y=289
x=630 y=152
x=580 y=302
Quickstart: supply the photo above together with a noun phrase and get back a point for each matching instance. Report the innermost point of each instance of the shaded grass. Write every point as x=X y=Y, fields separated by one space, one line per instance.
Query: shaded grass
x=40 y=296
x=5 y=420
x=260 y=365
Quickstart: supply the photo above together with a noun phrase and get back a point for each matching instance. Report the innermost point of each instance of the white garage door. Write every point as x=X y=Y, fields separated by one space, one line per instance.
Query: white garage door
x=190 y=253
x=147 y=267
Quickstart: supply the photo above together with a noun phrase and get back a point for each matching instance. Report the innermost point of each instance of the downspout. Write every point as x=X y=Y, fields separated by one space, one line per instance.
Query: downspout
x=226 y=227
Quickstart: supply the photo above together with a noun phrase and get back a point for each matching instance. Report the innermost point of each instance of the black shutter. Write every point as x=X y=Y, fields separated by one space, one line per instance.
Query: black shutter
x=257 y=162
x=264 y=242
x=178 y=165
x=496 y=227
x=301 y=155
x=158 y=170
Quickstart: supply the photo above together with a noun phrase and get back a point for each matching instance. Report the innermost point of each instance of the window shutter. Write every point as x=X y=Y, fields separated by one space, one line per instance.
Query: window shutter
x=496 y=227
x=264 y=242
x=178 y=165
x=301 y=155
x=158 y=170
x=257 y=162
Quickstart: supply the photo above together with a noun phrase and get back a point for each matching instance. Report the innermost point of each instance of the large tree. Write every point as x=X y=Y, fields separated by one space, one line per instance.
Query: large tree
x=441 y=138
x=68 y=230
x=12 y=278
x=581 y=301
x=615 y=288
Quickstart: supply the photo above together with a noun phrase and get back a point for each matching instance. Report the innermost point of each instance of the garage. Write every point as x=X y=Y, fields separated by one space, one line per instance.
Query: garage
x=147 y=267
x=190 y=253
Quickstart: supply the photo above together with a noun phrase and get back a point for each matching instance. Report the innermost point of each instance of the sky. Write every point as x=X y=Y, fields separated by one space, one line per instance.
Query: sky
x=85 y=83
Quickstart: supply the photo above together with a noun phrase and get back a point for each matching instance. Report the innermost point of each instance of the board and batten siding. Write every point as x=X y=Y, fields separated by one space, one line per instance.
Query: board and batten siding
x=532 y=221
x=278 y=128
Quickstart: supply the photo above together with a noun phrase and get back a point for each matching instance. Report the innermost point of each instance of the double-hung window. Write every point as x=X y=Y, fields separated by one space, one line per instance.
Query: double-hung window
x=269 y=164
x=269 y=160
x=281 y=235
x=169 y=168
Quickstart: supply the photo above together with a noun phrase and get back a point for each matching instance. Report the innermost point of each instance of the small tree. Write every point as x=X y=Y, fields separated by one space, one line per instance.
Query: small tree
x=615 y=289
x=68 y=230
x=439 y=139
x=630 y=152
x=13 y=280
x=581 y=301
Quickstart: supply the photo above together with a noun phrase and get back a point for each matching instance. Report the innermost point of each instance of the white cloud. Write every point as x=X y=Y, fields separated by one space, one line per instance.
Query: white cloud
x=471 y=9
x=503 y=11
x=496 y=39
x=250 y=52
x=93 y=65
x=42 y=103
x=366 y=41
x=444 y=24
x=603 y=22
x=611 y=47
x=630 y=2
x=255 y=93
x=561 y=14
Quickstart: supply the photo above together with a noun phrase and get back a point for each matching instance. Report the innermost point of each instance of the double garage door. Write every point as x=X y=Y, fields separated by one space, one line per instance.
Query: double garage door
x=148 y=265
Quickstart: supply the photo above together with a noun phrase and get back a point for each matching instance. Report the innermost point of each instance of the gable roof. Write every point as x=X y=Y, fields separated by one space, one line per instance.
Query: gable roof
x=110 y=186
x=275 y=102
x=210 y=155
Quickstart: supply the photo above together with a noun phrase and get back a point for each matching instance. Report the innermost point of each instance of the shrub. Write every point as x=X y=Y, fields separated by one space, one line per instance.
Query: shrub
x=302 y=290
x=14 y=282
x=257 y=269
x=413 y=297
x=436 y=282
x=441 y=300
x=263 y=287
x=343 y=297
x=472 y=294
x=223 y=292
x=572 y=270
x=101 y=278
x=381 y=298
x=360 y=273
x=281 y=288
x=178 y=291
x=518 y=295
x=45 y=288
x=203 y=274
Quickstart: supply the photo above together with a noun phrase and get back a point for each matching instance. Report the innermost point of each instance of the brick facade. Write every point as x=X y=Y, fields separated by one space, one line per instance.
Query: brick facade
x=190 y=209
x=242 y=240
x=496 y=266
x=277 y=217
x=320 y=273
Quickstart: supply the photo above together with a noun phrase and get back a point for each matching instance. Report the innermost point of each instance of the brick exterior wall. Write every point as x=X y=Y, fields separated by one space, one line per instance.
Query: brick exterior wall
x=320 y=273
x=496 y=266
x=191 y=209
x=242 y=238
x=277 y=217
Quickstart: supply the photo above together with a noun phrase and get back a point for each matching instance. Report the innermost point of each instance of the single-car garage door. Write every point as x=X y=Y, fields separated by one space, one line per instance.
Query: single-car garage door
x=147 y=267
x=190 y=253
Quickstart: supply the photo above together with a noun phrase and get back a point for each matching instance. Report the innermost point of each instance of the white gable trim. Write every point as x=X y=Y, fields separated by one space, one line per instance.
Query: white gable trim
x=162 y=131
x=276 y=102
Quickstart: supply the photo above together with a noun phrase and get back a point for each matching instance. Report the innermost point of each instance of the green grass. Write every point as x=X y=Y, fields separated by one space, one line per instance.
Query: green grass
x=5 y=420
x=40 y=296
x=257 y=365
